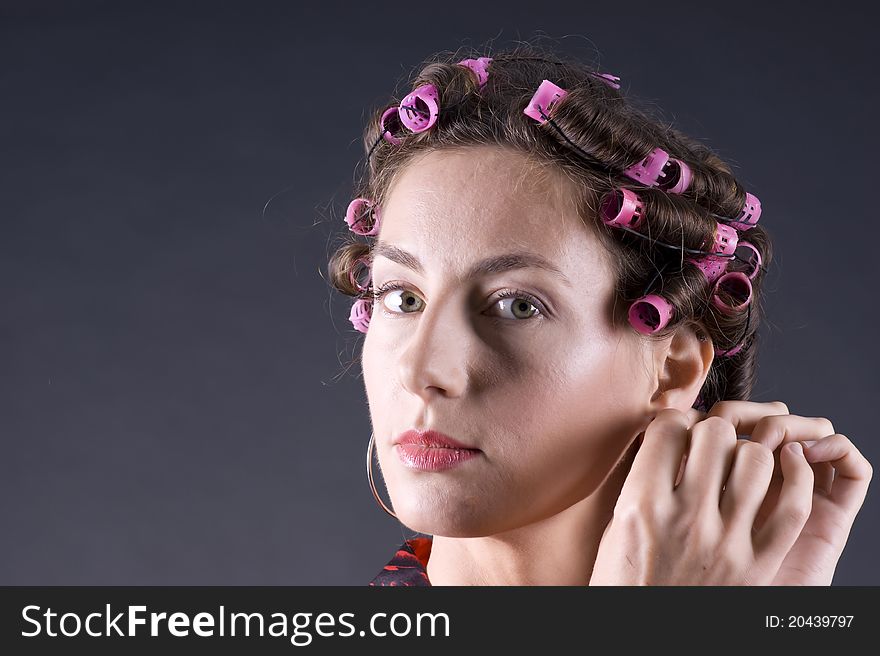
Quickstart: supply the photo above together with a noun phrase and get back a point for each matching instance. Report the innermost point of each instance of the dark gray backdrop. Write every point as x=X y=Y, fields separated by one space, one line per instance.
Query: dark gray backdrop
x=176 y=400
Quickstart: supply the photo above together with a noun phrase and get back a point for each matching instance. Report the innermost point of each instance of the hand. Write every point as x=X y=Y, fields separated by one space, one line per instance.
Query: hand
x=691 y=521
x=836 y=498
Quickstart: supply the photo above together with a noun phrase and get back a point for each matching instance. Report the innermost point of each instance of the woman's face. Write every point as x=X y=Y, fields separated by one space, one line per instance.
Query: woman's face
x=548 y=390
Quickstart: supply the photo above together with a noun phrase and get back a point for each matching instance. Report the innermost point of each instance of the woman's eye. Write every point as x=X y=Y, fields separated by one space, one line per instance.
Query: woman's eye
x=519 y=306
x=402 y=298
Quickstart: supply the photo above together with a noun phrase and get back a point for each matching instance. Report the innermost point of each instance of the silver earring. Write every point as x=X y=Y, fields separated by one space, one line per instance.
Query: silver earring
x=370 y=478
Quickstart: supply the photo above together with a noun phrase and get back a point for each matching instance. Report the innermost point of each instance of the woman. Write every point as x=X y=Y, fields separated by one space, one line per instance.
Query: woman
x=561 y=298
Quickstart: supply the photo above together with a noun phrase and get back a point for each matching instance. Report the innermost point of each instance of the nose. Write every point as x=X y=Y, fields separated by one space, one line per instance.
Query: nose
x=435 y=358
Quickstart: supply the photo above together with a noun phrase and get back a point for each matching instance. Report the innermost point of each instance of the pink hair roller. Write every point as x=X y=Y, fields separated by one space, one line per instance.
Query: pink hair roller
x=479 y=67
x=652 y=171
x=542 y=103
x=363 y=259
x=757 y=259
x=751 y=212
x=650 y=314
x=678 y=179
x=722 y=353
x=608 y=78
x=419 y=110
x=649 y=170
x=622 y=208
x=738 y=285
x=360 y=313
x=356 y=216
x=386 y=132
x=725 y=243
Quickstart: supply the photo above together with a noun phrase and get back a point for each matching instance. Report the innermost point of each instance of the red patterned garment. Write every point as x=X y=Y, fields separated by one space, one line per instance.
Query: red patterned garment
x=409 y=564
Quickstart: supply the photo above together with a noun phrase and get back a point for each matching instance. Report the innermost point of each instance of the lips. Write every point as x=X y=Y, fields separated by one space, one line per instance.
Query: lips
x=432 y=451
x=431 y=438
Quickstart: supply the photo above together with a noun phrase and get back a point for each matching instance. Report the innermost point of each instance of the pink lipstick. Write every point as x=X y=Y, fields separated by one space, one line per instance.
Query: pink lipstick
x=432 y=450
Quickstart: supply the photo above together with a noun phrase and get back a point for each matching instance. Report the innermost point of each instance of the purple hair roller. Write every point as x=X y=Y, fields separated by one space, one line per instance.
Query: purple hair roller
x=356 y=216
x=650 y=314
x=419 y=110
x=622 y=208
x=386 y=131
x=360 y=313
x=736 y=284
x=542 y=103
x=751 y=212
x=479 y=67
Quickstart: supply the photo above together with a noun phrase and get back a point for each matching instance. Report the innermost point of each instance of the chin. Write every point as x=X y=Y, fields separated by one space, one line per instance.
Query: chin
x=445 y=517
x=430 y=526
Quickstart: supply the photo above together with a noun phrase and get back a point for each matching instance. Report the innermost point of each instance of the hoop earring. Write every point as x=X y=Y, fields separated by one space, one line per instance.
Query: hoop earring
x=370 y=478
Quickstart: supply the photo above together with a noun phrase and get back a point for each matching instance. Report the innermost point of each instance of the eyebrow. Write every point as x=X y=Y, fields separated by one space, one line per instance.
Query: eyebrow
x=489 y=265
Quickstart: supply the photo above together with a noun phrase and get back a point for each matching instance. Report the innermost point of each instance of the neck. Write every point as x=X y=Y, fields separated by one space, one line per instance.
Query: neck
x=558 y=550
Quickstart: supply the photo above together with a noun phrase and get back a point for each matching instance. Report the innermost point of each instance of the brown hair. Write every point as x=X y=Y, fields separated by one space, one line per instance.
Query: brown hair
x=599 y=120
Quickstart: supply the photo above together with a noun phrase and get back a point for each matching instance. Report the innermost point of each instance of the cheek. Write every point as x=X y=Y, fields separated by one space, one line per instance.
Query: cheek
x=377 y=351
x=387 y=400
x=374 y=364
x=582 y=411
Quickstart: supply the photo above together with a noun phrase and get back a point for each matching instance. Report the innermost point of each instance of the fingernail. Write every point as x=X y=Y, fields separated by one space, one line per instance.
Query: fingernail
x=809 y=443
x=795 y=447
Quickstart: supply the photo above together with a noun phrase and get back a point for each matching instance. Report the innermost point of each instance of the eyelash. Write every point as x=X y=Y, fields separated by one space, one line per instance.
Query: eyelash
x=380 y=291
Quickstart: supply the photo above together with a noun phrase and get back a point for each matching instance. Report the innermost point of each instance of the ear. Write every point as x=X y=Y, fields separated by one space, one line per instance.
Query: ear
x=681 y=365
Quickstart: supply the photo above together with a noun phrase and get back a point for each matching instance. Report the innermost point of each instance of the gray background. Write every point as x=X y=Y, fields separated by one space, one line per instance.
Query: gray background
x=177 y=400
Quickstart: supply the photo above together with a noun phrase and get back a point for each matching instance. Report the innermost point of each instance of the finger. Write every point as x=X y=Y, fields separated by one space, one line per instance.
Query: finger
x=853 y=472
x=694 y=416
x=747 y=484
x=710 y=456
x=628 y=457
x=823 y=477
x=777 y=430
x=784 y=524
x=659 y=456
x=745 y=414
x=681 y=469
